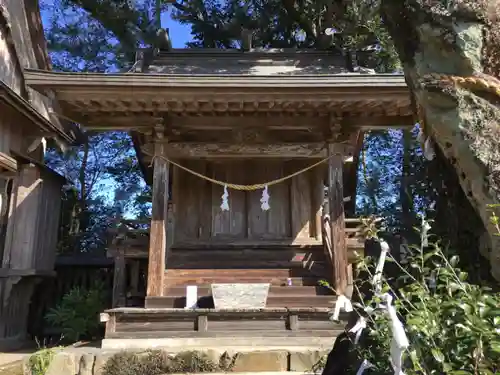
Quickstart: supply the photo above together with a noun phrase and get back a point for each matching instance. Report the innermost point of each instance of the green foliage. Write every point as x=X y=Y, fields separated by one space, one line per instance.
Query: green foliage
x=39 y=361
x=495 y=219
x=285 y=24
x=453 y=325
x=155 y=362
x=77 y=315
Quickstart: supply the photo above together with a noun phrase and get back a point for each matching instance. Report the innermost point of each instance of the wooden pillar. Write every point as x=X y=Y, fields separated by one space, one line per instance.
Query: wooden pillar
x=119 y=279
x=135 y=273
x=159 y=225
x=337 y=220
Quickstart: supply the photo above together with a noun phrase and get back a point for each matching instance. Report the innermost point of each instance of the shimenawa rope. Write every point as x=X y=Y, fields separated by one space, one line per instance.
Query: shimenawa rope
x=239 y=186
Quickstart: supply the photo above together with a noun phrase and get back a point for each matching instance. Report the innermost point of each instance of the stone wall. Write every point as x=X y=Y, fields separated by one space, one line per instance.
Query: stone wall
x=91 y=361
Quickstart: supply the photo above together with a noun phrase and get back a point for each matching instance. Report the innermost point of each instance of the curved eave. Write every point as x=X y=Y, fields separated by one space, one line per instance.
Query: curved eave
x=40 y=80
x=10 y=98
x=90 y=97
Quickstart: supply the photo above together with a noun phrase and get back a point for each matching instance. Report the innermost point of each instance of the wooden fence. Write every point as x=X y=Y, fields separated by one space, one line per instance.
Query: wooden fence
x=71 y=271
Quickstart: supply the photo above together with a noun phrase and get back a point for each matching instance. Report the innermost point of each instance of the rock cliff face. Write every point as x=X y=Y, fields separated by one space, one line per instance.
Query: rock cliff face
x=450 y=50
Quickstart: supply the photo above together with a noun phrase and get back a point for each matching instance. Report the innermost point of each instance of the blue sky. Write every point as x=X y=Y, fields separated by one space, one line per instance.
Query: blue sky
x=180 y=34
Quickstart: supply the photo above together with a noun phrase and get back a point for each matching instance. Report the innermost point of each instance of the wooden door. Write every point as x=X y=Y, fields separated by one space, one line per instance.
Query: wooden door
x=294 y=203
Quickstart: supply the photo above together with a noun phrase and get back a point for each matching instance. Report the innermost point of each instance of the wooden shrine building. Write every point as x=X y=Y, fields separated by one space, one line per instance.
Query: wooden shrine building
x=30 y=193
x=203 y=118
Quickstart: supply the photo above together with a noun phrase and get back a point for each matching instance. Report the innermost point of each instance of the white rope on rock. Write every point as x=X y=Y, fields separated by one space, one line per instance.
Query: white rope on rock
x=429 y=152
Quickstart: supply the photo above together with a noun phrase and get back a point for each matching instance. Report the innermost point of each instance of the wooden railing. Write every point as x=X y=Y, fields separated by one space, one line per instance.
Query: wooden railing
x=354 y=240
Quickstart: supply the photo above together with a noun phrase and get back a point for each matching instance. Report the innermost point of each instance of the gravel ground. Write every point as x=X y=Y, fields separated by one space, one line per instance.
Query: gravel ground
x=12 y=369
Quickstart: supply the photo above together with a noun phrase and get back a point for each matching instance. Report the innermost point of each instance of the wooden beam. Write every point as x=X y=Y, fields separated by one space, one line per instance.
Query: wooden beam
x=337 y=220
x=159 y=224
x=272 y=120
x=7 y=162
x=284 y=150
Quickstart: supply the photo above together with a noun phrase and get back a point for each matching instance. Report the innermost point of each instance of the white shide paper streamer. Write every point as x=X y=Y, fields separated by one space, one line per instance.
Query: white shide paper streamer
x=225 y=203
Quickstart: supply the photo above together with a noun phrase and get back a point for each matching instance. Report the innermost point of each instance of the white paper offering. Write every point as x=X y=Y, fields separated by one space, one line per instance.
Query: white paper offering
x=191 y=296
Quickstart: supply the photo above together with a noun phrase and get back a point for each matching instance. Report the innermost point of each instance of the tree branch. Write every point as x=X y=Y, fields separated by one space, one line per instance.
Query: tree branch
x=297 y=17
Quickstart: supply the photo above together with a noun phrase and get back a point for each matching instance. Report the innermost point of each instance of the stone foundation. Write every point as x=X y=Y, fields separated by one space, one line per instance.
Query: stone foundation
x=91 y=361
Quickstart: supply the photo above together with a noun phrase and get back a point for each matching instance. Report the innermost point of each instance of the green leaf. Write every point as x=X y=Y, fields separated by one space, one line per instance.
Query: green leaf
x=438 y=356
x=495 y=346
x=429 y=255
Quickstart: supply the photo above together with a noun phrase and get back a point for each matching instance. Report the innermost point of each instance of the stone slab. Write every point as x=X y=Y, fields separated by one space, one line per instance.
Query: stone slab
x=261 y=361
x=240 y=296
x=64 y=364
x=91 y=361
x=305 y=360
x=226 y=343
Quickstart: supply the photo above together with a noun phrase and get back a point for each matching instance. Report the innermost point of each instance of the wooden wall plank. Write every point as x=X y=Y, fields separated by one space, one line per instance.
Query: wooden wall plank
x=295 y=204
x=205 y=202
x=318 y=175
x=300 y=198
x=275 y=223
x=21 y=253
x=48 y=221
x=232 y=223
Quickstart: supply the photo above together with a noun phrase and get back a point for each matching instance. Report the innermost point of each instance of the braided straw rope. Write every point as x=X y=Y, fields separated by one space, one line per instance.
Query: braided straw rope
x=486 y=83
x=238 y=186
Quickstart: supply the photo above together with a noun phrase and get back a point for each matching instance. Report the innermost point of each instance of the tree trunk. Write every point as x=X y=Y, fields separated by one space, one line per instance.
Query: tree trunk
x=405 y=193
x=461 y=118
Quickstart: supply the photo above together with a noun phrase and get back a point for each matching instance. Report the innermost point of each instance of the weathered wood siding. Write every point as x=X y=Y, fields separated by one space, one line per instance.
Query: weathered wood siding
x=295 y=203
x=11 y=134
x=34 y=220
x=21 y=45
x=29 y=229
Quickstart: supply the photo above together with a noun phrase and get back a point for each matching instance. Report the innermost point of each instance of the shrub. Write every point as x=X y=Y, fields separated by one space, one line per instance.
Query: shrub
x=155 y=362
x=39 y=361
x=77 y=313
x=453 y=326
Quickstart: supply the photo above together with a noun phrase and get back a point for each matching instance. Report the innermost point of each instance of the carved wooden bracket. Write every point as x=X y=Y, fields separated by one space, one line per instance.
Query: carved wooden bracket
x=334 y=127
x=159 y=130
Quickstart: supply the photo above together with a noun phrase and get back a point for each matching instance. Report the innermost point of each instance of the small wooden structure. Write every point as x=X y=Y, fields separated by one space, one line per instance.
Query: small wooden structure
x=30 y=193
x=203 y=118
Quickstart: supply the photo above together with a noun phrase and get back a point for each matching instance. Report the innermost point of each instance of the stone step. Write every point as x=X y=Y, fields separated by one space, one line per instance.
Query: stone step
x=274 y=290
x=171 y=281
x=247 y=272
x=273 y=300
